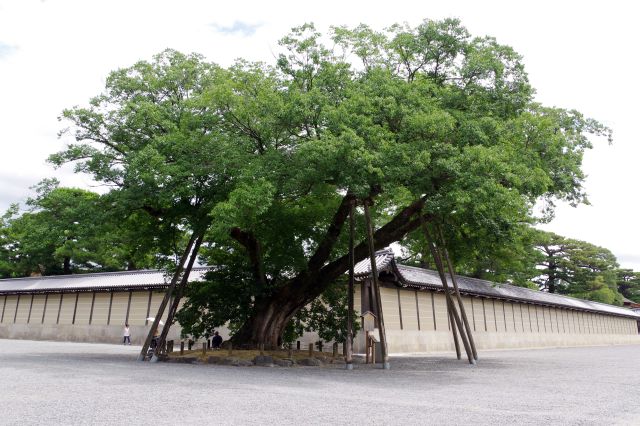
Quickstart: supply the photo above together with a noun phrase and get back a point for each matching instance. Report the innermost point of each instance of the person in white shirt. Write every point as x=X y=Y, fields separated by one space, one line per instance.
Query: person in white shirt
x=127 y=335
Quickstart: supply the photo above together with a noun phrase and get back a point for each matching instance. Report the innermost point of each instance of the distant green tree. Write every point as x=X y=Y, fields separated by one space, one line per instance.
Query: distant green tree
x=577 y=268
x=52 y=236
x=599 y=290
x=7 y=243
x=68 y=230
x=629 y=284
x=508 y=255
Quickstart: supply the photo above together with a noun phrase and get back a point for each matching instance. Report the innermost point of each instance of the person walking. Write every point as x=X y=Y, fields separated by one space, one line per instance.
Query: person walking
x=127 y=335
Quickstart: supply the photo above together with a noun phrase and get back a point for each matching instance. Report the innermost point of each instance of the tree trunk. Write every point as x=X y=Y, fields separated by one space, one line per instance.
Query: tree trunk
x=272 y=313
x=552 y=278
x=66 y=267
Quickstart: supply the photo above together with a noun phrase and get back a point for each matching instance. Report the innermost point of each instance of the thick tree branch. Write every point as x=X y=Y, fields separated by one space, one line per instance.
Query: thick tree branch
x=152 y=211
x=404 y=222
x=254 y=249
x=325 y=247
x=323 y=252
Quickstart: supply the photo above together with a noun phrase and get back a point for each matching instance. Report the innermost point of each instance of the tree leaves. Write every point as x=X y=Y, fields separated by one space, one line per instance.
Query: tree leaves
x=433 y=122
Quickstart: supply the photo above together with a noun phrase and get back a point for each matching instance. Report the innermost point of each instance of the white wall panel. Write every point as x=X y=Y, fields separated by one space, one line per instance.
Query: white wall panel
x=440 y=305
x=23 y=309
x=68 y=308
x=10 y=309
x=139 y=305
x=391 y=313
x=51 y=311
x=83 y=310
x=119 y=308
x=101 y=308
x=37 y=309
x=409 y=310
x=426 y=310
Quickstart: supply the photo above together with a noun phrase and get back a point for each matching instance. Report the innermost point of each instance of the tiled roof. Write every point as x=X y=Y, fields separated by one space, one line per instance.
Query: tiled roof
x=126 y=280
x=410 y=276
x=383 y=259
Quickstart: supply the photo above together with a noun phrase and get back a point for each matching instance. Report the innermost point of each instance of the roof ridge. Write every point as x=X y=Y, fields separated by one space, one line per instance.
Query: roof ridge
x=91 y=274
x=556 y=296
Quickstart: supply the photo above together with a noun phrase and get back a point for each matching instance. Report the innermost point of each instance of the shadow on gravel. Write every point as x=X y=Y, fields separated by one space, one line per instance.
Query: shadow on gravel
x=66 y=357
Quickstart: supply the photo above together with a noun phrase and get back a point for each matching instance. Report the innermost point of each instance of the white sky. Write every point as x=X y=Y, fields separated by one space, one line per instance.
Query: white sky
x=55 y=54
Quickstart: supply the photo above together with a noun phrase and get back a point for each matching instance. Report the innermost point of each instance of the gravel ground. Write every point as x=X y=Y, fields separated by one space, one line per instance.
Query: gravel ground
x=78 y=383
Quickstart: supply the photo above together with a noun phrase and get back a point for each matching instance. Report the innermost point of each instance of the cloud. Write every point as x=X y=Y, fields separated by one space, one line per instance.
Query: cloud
x=243 y=29
x=629 y=260
x=15 y=189
x=6 y=50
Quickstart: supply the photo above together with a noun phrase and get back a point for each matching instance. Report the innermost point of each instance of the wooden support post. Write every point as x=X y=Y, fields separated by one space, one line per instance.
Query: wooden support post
x=374 y=275
x=349 y=341
x=310 y=349
x=181 y=348
x=438 y=261
x=167 y=296
x=180 y=290
x=335 y=349
x=170 y=346
x=456 y=289
x=452 y=323
x=367 y=347
x=290 y=352
x=204 y=348
x=230 y=348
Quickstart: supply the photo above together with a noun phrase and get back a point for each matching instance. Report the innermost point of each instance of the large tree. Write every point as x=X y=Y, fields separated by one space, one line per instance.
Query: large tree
x=577 y=268
x=629 y=284
x=70 y=230
x=7 y=267
x=429 y=123
x=53 y=235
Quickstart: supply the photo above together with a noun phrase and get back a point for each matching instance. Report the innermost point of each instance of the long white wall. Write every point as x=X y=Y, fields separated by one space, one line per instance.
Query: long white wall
x=417 y=321
x=86 y=316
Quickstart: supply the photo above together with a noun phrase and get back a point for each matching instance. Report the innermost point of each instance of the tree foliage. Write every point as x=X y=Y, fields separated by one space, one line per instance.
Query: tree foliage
x=629 y=284
x=577 y=268
x=207 y=307
x=69 y=230
x=327 y=315
x=428 y=122
x=155 y=139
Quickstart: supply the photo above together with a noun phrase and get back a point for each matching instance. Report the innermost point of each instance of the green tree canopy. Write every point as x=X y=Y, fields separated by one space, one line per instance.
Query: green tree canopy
x=52 y=236
x=629 y=284
x=577 y=268
x=69 y=230
x=428 y=122
x=153 y=137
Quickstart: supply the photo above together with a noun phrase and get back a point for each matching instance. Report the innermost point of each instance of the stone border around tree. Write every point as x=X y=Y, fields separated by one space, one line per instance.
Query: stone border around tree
x=260 y=361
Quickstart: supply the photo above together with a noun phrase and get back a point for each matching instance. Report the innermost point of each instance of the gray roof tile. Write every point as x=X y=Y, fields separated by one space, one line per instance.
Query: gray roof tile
x=88 y=282
x=410 y=276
